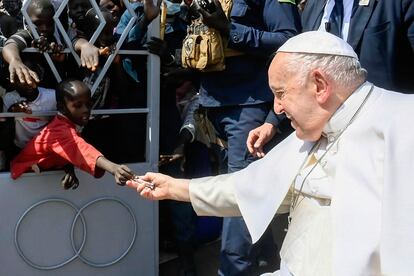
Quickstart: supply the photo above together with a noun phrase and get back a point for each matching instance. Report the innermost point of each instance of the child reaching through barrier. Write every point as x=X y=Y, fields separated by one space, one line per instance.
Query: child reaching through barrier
x=41 y=14
x=28 y=99
x=60 y=144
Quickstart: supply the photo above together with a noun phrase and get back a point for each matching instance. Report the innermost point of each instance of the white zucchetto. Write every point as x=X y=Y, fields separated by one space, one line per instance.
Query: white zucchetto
x=318 y=42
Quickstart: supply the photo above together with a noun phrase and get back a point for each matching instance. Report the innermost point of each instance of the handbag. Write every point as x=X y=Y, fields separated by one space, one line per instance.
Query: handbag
x=204 y=47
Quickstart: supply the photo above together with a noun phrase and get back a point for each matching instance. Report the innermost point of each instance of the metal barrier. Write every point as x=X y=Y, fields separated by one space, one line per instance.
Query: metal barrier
x=29 y=244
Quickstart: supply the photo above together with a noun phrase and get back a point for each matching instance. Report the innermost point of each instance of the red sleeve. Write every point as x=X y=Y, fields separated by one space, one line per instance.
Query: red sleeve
x=77 y=151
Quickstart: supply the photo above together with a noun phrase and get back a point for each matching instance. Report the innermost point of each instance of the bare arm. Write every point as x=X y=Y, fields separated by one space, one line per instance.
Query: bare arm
x=89 y=54
x=210 y=196
x=11 y=55
x=121 y=172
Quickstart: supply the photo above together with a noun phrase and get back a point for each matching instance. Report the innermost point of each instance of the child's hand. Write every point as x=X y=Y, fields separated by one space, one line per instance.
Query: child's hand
x=41 y=43
x=56 y=48
x=122 y=173
x=69 y=180
x=24 y=74
x=169 y=158
x=22 y=106
x=105 y=51
x=90 y=56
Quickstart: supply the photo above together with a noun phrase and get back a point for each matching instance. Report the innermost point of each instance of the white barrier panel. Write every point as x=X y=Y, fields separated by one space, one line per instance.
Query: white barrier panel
x=42 y=227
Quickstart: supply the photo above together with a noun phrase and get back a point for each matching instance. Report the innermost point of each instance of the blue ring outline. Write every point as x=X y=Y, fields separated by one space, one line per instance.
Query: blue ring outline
x=51 y=267
x=79 y=214
x=77 y=251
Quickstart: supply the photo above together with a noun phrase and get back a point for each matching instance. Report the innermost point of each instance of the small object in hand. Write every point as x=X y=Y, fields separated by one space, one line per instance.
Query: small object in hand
x=55 y=48
x=146 y=183
x=41 y=43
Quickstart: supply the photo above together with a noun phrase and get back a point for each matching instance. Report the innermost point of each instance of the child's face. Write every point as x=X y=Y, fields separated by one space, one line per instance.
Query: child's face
x=113 y=8
x=78 y=109
x=78 y=9
x=43 y=20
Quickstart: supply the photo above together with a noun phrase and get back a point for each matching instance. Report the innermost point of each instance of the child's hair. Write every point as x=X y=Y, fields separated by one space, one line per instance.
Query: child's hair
x=43 y=9
x=45 y=5
x=92 y=20
x=66 y=90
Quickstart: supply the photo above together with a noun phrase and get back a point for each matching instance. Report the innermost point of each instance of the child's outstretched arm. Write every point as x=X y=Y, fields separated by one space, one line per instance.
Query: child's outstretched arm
x=11 y=55
x=67 y=144
x=121 y=172
x=89 y=53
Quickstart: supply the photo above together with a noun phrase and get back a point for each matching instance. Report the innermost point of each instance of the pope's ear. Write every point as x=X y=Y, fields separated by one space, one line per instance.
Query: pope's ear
x=322 y=86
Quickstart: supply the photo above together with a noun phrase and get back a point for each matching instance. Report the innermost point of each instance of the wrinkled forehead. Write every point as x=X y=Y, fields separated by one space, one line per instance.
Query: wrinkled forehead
x=277 y=61
x=277 y=68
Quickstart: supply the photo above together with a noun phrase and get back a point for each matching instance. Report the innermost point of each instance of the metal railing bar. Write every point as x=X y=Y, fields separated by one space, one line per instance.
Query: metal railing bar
x=67 y=51
x=94 y=112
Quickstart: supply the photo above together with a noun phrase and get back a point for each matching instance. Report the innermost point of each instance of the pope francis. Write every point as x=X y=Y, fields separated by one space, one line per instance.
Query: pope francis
x=344 y=175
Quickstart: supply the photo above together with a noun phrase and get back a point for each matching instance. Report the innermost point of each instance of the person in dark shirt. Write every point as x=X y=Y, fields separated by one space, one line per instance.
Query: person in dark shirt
x=41 y=14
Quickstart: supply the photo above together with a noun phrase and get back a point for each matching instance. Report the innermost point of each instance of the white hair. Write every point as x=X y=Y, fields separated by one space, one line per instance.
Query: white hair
x=341 y=69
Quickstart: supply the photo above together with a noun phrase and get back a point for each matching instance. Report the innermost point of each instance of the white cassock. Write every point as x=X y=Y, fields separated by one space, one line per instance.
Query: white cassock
x=356 y=212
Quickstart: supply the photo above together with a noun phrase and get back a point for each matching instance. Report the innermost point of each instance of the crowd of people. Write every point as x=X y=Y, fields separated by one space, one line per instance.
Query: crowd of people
x=217 y=111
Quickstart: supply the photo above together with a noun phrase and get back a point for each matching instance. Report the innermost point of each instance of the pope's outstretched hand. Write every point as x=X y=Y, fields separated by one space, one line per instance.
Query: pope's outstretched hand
x=157 y=186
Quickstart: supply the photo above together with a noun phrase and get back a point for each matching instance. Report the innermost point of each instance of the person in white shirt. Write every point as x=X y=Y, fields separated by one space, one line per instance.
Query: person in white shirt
x=28 y=127
x=344 y=174
x=29 y=100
